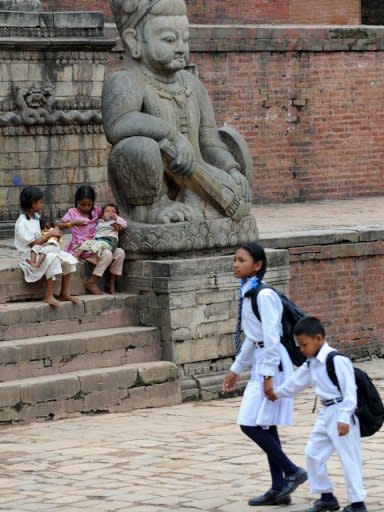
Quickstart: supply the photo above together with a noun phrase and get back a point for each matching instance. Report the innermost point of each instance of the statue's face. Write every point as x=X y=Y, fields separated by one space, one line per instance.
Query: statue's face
x=165 y=47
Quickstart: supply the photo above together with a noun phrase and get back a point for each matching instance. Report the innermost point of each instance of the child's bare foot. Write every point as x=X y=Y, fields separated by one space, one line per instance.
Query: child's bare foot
x=50 y=299
x=92 y=287
x=70 y=298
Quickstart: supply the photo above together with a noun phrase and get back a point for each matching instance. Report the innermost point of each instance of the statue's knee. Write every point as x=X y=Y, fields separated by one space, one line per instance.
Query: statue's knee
x=135 y=166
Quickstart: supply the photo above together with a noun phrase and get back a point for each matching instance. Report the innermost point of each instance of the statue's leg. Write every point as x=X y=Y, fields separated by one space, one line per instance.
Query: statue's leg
x=136 y=176
x=135 y=171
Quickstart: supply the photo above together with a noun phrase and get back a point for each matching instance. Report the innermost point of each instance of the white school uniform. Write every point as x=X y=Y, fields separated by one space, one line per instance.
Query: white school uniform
x=56 y=263
x=255 y=409
x=324 y=439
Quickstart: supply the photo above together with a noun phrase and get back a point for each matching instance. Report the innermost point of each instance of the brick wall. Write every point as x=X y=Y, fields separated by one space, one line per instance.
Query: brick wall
x=308 y=102
x=343 y=285
x=254 y=11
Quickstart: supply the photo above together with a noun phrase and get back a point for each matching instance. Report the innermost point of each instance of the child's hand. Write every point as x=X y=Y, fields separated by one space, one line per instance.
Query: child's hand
x=80 y=222
x=117 y=227
x=230 y=381
x=268 y=390
x=342 y=428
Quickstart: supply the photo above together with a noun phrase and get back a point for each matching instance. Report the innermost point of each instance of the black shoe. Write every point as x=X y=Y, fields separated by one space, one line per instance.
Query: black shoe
x=324 y=506
x=271 y=497
x=293 y=482
x=349 y=508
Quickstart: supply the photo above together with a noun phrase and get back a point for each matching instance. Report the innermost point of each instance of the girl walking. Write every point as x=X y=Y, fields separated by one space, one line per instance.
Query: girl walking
x=28 y=234
x=270 y=364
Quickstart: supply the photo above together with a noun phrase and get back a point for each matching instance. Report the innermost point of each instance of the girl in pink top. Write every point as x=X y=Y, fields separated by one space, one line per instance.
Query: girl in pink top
x=82 y=220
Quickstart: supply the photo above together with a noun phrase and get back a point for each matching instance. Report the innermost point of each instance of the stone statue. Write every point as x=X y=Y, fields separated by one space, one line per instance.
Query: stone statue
x=169 y=164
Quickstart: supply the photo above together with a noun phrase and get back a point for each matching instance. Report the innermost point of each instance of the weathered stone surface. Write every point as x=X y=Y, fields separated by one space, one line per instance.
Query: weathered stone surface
x=196 y=333
x=184 y=184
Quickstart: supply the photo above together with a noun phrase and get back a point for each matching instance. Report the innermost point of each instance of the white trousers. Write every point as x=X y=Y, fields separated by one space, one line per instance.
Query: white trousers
x=324 y=440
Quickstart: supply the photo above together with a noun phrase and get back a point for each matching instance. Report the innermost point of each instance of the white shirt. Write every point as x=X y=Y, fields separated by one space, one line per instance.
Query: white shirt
x=315 y=374
x=269 y=331
x=26 y=231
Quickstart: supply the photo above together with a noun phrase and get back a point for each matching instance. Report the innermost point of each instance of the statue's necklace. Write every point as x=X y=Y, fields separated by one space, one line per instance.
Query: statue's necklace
x=177 y=91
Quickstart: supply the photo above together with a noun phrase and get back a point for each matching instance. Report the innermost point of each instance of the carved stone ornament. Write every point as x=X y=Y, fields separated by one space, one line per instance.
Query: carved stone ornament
x=35 y=105
x=169 y=165
x=20 y=5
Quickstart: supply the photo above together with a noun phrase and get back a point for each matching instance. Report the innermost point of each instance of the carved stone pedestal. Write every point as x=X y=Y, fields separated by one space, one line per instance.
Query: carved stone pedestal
x=194 y=303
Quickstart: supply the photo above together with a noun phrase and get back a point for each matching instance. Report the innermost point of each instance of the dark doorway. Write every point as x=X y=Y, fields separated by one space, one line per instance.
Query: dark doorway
x=372 y=12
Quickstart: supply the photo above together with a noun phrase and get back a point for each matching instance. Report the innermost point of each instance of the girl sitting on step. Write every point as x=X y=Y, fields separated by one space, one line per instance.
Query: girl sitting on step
x=82 y=219
x=28 y=234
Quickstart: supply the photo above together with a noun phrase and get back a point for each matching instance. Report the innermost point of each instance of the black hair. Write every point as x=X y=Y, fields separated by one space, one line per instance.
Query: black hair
x=85 y=192
x=309 y=326
x=46 y=221
x=28 y=196
x=258 y=254
x=112 y=205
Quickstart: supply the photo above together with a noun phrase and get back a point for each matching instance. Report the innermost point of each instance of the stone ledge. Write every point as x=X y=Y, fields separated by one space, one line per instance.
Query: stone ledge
x=279 y=38
x=358 y=235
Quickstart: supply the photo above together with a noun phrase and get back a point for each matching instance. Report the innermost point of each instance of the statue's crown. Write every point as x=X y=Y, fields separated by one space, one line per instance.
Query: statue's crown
x=128 y=13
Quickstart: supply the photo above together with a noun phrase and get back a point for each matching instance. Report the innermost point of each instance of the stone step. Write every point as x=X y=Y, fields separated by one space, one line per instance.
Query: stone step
x=14 y=288
x=24 y=319
x=101 y=390
x=48 y=355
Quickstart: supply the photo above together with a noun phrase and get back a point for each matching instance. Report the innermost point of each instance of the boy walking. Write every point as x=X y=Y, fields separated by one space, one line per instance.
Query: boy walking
x=336 y=428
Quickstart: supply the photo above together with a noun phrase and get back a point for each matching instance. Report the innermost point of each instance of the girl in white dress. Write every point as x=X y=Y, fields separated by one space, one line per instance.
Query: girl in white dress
x=270 y=363
x=28 y=234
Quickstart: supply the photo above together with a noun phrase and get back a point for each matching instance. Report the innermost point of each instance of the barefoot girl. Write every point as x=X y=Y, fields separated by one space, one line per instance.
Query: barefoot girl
x=82 y=220
x=27 y=234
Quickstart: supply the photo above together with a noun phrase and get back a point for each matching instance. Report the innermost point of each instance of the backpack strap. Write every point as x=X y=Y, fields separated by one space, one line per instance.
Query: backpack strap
x=330 y=364
x=253 y=295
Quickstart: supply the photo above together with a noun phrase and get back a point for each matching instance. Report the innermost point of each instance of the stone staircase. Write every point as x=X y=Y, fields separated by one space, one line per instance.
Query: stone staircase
x=83 y=358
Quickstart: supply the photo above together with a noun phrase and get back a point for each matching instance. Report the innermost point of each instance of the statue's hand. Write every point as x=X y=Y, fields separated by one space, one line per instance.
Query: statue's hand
x=243 y=184
x=183 y=162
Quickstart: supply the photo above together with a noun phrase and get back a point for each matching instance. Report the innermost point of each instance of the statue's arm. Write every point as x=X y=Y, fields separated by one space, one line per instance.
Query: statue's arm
x=122 y=104
x=213 y=149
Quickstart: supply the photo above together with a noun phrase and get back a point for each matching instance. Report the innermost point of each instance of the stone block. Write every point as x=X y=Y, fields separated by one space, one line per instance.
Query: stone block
x=123 y=377
x=157 y=372
x=55 y=387
x=71 y=20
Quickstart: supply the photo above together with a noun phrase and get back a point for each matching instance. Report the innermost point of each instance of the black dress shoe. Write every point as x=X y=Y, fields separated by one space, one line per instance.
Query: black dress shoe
x=293 y=482
x=324 y=506
x=271 y=497
x=349 y=508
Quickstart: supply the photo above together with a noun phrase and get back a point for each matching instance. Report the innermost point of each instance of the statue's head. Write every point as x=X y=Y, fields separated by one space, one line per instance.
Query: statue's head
x=155 y=32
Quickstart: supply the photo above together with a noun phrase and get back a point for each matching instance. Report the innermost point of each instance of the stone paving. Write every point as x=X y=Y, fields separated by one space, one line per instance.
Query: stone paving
x=186 y=458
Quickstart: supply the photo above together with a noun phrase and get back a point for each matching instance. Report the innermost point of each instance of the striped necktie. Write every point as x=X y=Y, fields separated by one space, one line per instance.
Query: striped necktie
x=238 y=326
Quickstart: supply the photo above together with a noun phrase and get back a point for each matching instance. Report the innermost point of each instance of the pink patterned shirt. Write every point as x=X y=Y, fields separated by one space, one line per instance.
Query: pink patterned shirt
x=81 y=233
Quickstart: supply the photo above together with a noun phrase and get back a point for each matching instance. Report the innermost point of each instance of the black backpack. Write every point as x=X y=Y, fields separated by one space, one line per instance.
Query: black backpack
x=370 y=409
x=291 y=315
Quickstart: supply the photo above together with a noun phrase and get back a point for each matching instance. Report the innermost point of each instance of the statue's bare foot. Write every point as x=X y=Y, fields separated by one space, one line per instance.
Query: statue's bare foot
x=166 y=211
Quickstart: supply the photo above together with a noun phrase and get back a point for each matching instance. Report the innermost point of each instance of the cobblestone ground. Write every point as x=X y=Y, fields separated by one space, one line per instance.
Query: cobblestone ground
x=186 y=458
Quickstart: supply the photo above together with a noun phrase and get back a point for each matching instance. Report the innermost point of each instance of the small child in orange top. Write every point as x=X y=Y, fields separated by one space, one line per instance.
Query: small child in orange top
x=53 y=244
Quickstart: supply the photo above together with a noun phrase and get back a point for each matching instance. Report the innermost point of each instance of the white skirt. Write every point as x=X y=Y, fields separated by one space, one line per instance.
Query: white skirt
x=55 y=263
x=255 y=408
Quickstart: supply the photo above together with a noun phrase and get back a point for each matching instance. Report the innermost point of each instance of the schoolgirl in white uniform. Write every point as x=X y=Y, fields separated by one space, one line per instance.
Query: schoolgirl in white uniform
x=336 y=428
x=270 y=364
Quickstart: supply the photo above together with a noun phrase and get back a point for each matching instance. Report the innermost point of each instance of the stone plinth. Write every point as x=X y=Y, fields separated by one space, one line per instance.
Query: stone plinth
x=51 y=75
x=194 y=303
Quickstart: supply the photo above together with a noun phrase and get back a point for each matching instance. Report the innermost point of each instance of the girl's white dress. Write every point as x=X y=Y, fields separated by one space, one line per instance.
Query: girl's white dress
x=57 y=262
x=255 y=408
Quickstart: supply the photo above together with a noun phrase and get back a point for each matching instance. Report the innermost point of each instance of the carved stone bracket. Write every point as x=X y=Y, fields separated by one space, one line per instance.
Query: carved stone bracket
x=35 y=106
x=186 y=237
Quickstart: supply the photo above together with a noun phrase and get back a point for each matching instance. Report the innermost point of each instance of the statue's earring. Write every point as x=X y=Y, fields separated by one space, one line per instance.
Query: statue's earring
x=135 y=52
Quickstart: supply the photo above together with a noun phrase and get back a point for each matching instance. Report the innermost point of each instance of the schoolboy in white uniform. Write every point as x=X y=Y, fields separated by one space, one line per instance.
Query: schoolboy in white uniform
x=336 y=428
